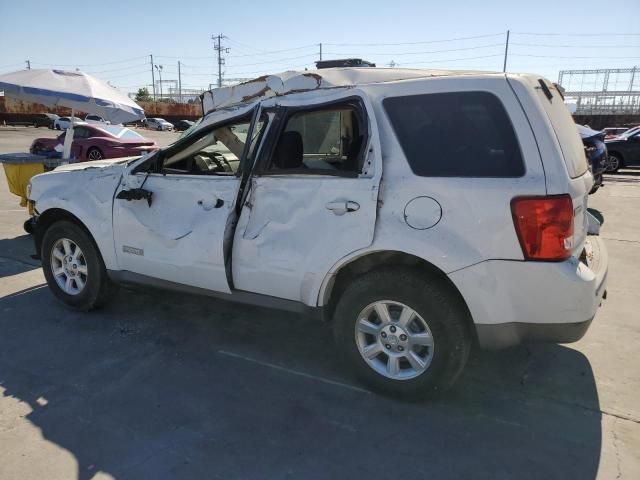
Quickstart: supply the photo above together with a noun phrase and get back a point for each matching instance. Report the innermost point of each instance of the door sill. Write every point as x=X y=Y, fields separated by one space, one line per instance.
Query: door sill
x=237 y=296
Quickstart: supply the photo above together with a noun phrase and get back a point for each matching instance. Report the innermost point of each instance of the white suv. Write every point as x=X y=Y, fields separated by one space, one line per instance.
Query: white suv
x=416 y=211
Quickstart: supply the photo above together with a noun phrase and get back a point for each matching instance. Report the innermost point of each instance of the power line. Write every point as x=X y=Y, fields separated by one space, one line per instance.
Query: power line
x=446 y=60
x=570 y=56
x=416 y=43
x=572 y=46
x=275 y=60
x=131 y=74
x=501 y=44
x=578 y=34
x=293 y=67
x=138 y=65
x=271 y=52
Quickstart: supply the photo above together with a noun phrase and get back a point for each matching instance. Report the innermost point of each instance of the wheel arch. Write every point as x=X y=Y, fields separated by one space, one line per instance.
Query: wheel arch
x=92 y=147
x=618 y=154
x=53 y=215
x=329 y=294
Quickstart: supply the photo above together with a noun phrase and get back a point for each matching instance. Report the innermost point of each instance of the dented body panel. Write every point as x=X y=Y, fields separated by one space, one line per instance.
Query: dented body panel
x=86 y=191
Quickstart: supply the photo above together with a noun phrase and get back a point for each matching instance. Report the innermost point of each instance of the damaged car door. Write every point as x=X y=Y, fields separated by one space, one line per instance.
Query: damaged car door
x=313 y=196
x=170 y=213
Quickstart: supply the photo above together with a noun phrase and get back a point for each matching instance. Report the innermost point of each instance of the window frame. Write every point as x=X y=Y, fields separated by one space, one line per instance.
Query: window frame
x=508 y=118
x=284 y=113
x=154 y=165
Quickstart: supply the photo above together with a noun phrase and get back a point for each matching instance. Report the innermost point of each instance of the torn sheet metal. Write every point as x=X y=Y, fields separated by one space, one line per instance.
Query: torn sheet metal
x=288 y=82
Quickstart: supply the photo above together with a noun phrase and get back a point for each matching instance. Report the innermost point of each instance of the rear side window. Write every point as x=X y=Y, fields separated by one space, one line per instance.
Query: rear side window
x=460 y=134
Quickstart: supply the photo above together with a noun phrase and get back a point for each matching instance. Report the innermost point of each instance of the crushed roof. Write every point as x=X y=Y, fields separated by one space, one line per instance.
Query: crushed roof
x=296 y=81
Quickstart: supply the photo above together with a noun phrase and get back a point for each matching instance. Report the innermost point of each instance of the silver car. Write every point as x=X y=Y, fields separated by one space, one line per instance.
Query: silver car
x=159 y=124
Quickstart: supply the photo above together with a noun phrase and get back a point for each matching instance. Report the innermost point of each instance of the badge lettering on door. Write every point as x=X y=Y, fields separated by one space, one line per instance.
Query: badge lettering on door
x=133 y=250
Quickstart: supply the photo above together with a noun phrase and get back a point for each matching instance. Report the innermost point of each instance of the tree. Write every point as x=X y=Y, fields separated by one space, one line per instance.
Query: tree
x=143 y=95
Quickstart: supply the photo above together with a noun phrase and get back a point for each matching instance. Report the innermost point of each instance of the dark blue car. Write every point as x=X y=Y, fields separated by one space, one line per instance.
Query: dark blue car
x=596 y=152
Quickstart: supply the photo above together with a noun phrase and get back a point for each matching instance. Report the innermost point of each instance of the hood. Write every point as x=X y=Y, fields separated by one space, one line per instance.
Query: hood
x=96 y=164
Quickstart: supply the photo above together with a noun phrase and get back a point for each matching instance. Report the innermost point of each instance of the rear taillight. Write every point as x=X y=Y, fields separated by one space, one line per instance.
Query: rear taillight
x=544 y=226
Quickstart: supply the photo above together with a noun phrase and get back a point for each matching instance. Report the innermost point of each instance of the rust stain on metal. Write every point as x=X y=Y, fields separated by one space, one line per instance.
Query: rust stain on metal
x=259 y=93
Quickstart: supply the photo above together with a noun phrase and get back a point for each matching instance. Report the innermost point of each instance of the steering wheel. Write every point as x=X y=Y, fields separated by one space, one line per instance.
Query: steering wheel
x=216 y=157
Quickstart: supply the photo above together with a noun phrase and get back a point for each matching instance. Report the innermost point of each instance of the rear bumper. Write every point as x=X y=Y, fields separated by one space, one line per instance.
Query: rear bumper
x=502 y=335
x=515 y=301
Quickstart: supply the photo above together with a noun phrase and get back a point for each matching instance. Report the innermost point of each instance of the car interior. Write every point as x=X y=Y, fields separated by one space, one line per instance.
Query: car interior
x=218 y=152
x=321 y=141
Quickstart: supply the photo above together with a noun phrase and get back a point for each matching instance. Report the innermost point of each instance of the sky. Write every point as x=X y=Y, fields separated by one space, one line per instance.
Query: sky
x=113 y=40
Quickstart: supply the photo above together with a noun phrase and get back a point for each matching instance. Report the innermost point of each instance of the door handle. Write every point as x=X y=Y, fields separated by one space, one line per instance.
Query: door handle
x=211 y=203
x=342 y=206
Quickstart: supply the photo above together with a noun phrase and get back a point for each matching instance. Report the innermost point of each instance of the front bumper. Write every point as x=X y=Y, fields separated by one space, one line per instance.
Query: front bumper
x=516 y=301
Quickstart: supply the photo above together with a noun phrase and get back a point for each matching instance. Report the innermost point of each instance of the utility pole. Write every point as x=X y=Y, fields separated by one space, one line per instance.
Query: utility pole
x=506 y=53
x=220 y=49
x=28 y=62
x=320 y=45
x=159 y=68
x=153 y=79
x=179 y=84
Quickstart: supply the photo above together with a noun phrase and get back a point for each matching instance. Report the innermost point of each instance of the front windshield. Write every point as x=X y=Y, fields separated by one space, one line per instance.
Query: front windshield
x=630 y=132
x=214 y=152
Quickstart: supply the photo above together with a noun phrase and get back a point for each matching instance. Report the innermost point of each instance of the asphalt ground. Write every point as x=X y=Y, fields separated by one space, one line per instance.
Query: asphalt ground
x=165 y=385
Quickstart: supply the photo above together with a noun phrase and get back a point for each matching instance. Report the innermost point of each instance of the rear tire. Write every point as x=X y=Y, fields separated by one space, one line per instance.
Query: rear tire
x=82 y=291
x=436 y=337
x=94 y=153
x=614 y=163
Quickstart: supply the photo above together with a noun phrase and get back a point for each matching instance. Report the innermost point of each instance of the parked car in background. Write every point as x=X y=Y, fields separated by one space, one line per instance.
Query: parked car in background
x=158 y=124
x=94 y=142
x=611 y=132
x=96 y=119
x=479 y=232
x=45 y=120
x=596 y=152
x=62 y=123
x=182 y=125
x=623 y=150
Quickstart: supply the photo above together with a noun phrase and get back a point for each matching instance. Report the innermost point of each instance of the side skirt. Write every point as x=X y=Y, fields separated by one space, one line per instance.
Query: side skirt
x=237 y=296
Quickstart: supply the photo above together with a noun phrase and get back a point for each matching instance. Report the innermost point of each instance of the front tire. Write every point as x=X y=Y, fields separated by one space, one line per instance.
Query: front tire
x=403 y=332
x=73 y=267
x=614 y=163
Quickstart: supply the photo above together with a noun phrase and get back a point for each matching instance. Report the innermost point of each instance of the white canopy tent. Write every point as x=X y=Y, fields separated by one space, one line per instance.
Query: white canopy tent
x=75 y=90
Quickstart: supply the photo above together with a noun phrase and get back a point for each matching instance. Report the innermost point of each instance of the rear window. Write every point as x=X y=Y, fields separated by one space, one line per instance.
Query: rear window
x=121 y=132
x=460 y=134
x=563 y=126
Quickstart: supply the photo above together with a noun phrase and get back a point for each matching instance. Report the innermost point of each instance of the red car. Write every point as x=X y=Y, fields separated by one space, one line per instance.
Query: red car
x=95 y=142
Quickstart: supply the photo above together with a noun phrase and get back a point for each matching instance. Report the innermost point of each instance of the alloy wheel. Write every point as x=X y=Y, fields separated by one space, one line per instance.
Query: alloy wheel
x=94 y=154
x=613 y=163
x=69 y=266
x=394 y=340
